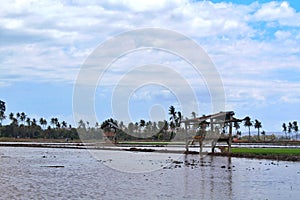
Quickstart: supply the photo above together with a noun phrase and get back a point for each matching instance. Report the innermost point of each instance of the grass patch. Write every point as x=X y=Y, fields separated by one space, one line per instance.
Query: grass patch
x=149 y=143
x=268 y=151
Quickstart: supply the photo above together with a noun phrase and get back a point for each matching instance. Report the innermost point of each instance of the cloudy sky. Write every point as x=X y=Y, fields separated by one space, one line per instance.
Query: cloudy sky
x=254 y=46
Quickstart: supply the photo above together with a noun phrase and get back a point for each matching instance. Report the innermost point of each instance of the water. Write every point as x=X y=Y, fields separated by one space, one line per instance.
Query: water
x=53 y=173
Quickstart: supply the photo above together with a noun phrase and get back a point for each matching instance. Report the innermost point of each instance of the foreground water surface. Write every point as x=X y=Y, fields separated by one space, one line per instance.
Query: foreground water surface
x=54 y=173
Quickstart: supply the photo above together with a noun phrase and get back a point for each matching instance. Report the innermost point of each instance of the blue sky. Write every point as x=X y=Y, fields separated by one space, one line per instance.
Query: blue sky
x=253 y=44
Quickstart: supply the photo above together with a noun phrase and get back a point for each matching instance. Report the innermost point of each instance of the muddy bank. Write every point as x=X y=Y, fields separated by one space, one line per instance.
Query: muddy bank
x=295 y=158
x=260 y=156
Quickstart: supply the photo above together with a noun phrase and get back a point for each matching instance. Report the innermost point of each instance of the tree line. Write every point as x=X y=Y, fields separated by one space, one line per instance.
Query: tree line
x=290 y=128
x=23 y=126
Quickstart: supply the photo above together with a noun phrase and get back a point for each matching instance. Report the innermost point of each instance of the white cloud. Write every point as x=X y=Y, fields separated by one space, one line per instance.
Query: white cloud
x=251 y=45
x=281 y=12
x=281 y=35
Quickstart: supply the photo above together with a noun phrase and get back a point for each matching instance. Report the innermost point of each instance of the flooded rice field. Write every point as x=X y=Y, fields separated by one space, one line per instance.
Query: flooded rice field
x=55 y=173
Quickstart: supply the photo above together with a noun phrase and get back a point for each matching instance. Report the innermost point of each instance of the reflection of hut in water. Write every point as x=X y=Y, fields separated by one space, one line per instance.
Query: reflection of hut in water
x=216 y=124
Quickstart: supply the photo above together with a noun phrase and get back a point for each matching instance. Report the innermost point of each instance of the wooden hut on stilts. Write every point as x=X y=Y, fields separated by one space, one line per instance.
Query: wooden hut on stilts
x=216 y=125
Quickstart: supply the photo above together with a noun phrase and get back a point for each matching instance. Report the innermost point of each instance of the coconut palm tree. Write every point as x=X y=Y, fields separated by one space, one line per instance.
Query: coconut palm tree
x=290 y=128
x=2 y=111
x=248 y=124
x=284 y=129
x=296 y=128
x=264 y=134
x=194 y=114
x=142 y=123
x=23 y=117
x=28 y=121
x=33 y=123
x=64 y=124
x=81 y=124
x=257 y=124
x=236 y=125
x=18 y=116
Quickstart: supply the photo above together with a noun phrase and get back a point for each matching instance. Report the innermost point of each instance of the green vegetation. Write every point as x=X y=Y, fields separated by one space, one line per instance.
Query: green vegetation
x=268 y=151
x=158 y=143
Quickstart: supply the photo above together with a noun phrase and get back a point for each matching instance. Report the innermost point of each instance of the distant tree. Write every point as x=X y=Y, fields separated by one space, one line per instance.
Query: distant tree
x=142 y=124
x=58 y=126
x=239 y=133
x=172 y=112
x=97 y=125
x=264 y=134
x=18 y=115
x=136 y=127
x=2 y=111
x=154 y=127
x=14 y=120
x=236 y=125
x=284 y=129
x=295 y=128
x=130 y=128
x=11 y=117
x=53 y=122
x=33 y=123
x=290 y=128
x=178 y=119
x=28 y=121
x=81 y=124
x=175 y=118
x=64 y=124
x=194 y=115
x=121 y=125
x=23 y=117
x=43 y=122
x=257 y=125
x=248 y=124
x=161 y=125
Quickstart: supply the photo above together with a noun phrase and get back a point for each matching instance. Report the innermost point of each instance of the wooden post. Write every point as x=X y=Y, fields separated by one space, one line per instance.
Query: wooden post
x=186 y=138
x=230 y=135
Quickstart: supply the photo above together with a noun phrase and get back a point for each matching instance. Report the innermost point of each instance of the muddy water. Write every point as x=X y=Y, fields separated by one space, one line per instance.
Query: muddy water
x=41 y=173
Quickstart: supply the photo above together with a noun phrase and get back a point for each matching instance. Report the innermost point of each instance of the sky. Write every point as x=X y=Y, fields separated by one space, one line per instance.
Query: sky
x=254 y=46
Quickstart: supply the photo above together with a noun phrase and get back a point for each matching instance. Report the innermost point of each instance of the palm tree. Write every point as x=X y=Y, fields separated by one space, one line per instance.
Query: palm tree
x=257 y=124
x=81 y=124
x=142 y=123
x=2 y=111
x=248 y=124
x=14 y=121
x=23 y=117
x=172 y=112
x=28 y=121
x=52 y=121
x=18 y=116
x=178 y=119
x=194 y=114
x=33 y=123
x=11 y=116
x=136 y=127
x=296 y=128
x=58 y=125
x=236 y=125
x=290 y=128
x=284 y=129
x=264 y=134
x=64 y=124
